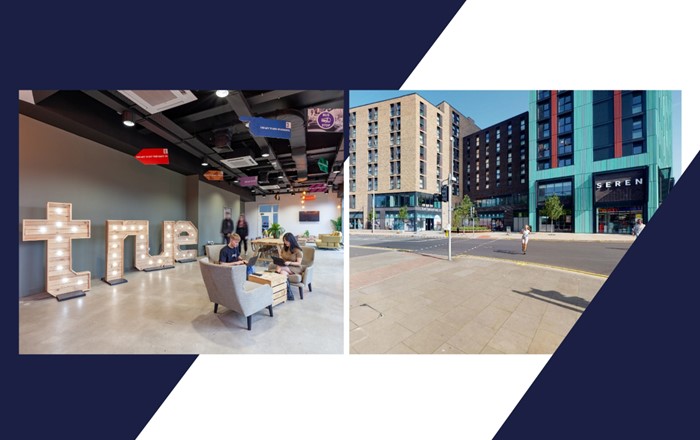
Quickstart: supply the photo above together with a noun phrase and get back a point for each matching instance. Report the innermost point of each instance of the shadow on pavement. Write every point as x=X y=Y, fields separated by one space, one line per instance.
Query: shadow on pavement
x=501 y=251
x=556 y=298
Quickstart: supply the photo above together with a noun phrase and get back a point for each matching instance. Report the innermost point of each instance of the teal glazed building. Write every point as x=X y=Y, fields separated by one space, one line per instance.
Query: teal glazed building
x=606 y=154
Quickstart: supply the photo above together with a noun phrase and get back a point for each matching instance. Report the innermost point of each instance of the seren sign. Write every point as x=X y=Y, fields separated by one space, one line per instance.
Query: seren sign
x=621 y=186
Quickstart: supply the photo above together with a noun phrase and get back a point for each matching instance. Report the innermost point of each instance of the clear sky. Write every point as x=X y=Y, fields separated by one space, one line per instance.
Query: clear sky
x=488 y=107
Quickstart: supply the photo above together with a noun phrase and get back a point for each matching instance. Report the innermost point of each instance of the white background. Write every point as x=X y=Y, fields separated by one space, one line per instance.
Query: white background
x=489 y=45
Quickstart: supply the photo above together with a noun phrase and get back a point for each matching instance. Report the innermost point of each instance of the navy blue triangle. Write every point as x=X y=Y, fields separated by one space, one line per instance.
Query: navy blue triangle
x=628 y=368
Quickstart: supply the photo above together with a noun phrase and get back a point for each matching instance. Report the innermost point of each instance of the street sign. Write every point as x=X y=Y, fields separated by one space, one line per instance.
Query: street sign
x=323 y=164
x=153 y=156
x=214 y=175
x=274 y=128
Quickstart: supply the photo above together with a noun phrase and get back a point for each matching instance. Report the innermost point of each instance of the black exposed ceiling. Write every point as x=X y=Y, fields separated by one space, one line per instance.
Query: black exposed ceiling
x=189 y=131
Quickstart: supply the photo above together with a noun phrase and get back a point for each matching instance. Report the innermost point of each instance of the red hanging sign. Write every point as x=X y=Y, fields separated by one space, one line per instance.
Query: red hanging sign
x=153 y=156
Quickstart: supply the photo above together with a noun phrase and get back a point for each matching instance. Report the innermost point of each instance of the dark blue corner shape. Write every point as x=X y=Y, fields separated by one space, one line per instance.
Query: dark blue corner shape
x=629 y=367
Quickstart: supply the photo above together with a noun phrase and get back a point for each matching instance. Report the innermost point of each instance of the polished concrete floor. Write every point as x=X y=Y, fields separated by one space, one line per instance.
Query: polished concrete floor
x=169 y=312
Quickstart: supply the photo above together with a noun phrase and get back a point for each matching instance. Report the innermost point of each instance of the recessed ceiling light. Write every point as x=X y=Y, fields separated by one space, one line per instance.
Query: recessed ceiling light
x=222 y=93
x=204 y=163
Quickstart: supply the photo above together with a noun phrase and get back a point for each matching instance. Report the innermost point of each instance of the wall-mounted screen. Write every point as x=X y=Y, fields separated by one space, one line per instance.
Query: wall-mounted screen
x=308 y=216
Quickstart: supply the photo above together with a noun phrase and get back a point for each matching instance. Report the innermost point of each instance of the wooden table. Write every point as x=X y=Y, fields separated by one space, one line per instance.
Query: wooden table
x=262 y=245
x=277 y=281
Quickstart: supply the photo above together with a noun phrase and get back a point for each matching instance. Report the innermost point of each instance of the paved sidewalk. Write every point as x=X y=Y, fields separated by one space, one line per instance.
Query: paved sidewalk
x=408 y=303
x=559 y=236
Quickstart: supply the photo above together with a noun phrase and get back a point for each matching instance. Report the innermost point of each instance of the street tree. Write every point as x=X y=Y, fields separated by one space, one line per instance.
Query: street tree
x=553 y=209
x=462 y=210
x=403 y=216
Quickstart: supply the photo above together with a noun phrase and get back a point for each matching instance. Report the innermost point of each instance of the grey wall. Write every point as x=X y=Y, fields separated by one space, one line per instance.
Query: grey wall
x=211 y=203
x=102 y=184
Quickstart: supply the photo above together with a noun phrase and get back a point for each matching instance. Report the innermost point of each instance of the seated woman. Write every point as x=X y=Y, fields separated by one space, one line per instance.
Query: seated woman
x=292 y=256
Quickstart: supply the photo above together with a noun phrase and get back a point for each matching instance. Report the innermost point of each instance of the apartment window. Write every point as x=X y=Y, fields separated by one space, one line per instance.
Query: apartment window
x=510 y=129
x=398 y=138
x=566 y=124
x=372 y=113
x=477 y=154
x=487 y=164
x=398 y=153
x=498 y=147
x=543 y=112
x=353 y=132
x=632 y=148
x=353 y=185
x=353 y=118
x=522 y=180
x=422 y=138
x=637 y=128
x=498 y=174
x=352 y=202
x=543 y=130
x=422 y=123
x=487 y=137
x=565 y=146
x=439 y=120
x=510 y=157
x=498 y=161
x=455 y=118
x=543 y=94
x=522 y=124
x=544 y=165
x=353 y=158
x=422 y=109
x=421 y=182
x=395 y=109
x=543 y=150
x=510 y=171
x=637 y=103
x=353 y=171
x=487 y=150
x=353 y=144
x=498 y=133
x=565 y=162
x=391 y=183
x=477 y=141
x=422 y=167
x=522 y=139
x=422 y=153
x=439 y=160
x=439 y=133
x=510 y=144
x=522 y=169
x=522 y=155
x=398 y=182
x=439 y=146
x=565 y=102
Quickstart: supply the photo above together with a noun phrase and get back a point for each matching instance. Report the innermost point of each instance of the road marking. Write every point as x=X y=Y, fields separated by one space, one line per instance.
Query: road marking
x=531 y=263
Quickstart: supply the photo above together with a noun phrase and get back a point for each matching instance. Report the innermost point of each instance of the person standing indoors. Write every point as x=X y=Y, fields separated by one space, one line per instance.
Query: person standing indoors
x=526 y=237
x=227 y=226
x=242 y=231
x=638 y=227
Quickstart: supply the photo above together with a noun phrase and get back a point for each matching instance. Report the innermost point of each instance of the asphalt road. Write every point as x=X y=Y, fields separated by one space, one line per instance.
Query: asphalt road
x=595 y=257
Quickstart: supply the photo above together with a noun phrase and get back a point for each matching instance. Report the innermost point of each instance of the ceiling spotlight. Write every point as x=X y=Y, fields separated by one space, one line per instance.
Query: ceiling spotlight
x=280 y=177
x=128 y=118
x=336 y=169
x=265 y=152
x=204 y=163
x=222 y=93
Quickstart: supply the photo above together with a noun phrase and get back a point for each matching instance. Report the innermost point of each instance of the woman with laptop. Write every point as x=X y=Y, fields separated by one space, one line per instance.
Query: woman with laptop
x=290 y=259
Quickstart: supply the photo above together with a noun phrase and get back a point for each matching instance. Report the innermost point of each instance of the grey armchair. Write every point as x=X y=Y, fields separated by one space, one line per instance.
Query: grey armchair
x=213 y=251
x=226 y=285
x=306 y=277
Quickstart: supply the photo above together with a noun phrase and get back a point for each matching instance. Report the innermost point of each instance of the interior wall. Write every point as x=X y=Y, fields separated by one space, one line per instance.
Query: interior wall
x=289 y=207
x=101 y=183
x=211 y=202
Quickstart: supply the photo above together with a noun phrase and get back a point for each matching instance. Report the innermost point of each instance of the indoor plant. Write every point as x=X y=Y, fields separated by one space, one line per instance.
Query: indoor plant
x=275 y=230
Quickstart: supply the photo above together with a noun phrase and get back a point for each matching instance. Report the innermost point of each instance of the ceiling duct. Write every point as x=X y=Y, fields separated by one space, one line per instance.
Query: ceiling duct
x=222 y=141
x=297 y=142
x=156 y=101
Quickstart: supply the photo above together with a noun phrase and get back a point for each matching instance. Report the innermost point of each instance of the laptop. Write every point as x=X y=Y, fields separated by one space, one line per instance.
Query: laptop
x=252 y=261
x=278 y=261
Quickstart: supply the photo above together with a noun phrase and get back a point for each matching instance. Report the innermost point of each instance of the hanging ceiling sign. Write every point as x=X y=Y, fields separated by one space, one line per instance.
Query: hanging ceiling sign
x=317 y=187
x=248 y=180
x=214 y=175
x=153 y=156
x=273 y=128
x=323 y=165
x=308 y=197
x=324 y=120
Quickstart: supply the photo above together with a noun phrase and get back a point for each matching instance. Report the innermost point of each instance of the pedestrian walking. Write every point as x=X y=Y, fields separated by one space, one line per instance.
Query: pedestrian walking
x=526 y=237
x=638 y=227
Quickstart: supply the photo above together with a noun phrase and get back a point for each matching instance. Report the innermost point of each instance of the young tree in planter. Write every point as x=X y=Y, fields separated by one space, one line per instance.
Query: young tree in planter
x=462 y=211
x=553 y=209
x=403 y=216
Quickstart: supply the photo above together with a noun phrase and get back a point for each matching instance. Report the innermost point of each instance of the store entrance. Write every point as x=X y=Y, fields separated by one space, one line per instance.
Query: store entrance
x=617 y=220
x=428 y=224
